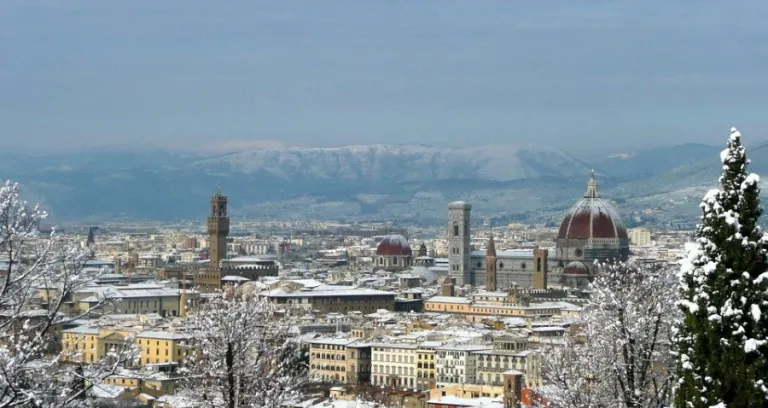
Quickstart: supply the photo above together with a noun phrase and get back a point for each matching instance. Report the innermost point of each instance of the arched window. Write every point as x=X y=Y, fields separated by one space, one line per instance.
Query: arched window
x=455 y=229
x=538 y=265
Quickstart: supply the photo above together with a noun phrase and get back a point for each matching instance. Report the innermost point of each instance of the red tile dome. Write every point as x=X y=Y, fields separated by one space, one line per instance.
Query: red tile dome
x=592 y=217
x=394 y=245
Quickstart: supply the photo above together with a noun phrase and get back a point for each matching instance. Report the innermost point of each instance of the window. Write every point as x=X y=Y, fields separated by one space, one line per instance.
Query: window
x=538 y=265
x=501 y=265
x=455 y=229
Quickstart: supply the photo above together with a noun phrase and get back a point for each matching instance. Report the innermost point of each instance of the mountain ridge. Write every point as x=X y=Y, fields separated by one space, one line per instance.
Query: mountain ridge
x=364 y=181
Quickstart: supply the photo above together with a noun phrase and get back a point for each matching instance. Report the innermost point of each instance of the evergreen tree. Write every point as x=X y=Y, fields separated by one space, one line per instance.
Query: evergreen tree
x=722 y=350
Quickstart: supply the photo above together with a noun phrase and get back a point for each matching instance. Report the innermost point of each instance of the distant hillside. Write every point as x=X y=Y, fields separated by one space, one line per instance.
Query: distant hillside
x=365 y=182
x=656 y=161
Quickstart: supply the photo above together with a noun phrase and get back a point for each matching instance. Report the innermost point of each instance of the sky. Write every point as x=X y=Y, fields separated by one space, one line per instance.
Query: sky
x=210 y=75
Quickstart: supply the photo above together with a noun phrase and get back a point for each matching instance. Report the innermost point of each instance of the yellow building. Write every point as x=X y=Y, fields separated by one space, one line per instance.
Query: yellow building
x=92 y=344
x=155 y=384
x=425 y=365
x=159 y=347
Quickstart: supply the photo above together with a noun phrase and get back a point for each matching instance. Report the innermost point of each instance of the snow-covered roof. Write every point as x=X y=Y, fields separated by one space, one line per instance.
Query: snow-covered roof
x=506 y=253
x=279 y=293
x=164 y=335
x=107 y=391
x=449 y=299
x=483 y=402
x=339 y=341
x=234 y=278
x=122 y=293
x=466 y=347
x=82 y=330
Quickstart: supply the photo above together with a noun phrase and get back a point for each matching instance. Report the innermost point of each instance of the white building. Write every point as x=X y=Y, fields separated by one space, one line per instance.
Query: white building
x=456 y=364
x=394 y=365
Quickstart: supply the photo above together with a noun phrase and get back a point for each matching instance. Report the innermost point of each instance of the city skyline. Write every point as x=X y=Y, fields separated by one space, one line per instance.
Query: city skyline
x=603 y=75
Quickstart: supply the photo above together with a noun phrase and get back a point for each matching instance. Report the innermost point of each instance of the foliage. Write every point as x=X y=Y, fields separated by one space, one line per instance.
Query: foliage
x=38 y=276
x=245 y=357
x=619 y=355
x=724 y=295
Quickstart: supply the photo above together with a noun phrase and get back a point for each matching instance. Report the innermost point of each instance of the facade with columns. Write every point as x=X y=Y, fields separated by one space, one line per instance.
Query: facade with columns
x=497 y=270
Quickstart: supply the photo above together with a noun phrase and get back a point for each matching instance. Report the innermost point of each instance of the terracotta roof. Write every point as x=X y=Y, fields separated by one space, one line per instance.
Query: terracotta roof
x=394 y=245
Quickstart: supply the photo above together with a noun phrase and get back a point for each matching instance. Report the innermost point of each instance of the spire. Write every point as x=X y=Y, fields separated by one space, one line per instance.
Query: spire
x=491 y=251
x=90 y=240
x=592 y=187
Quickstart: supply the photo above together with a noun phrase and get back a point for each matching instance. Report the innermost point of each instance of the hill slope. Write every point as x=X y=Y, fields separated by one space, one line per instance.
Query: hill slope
x=366 y=182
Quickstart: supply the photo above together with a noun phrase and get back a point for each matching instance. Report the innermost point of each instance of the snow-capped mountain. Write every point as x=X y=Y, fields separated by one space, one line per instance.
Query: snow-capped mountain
x=378 y=181
x=400 y=163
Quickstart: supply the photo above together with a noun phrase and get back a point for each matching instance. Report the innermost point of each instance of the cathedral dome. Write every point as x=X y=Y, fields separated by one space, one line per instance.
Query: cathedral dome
x=394 y=245
x=592 y=217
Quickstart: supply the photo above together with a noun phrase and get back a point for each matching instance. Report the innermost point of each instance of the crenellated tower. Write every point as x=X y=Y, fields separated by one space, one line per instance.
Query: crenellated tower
x=218 y=230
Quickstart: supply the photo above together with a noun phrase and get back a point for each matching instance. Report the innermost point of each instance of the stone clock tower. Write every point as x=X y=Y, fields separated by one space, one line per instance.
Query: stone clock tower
x=218 y=230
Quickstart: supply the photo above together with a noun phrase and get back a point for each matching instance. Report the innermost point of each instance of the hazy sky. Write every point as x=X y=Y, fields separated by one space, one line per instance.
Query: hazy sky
x=578 y=74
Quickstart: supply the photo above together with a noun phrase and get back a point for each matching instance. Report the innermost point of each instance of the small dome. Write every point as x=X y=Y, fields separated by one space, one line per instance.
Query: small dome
x=576 y=268
x=394 y=245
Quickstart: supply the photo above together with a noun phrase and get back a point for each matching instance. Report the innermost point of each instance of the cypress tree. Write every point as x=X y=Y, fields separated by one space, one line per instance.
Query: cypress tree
x=721 y=346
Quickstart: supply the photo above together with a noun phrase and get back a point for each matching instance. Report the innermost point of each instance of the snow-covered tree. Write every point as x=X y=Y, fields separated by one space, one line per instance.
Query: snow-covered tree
x=619 y=354
x=245 y=356
x=722 y=350
x=38 y=273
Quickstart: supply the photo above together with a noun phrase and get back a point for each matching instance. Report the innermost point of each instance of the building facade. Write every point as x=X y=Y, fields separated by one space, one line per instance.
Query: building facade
x=333 y=301
x=340 y=360
x=394 y=365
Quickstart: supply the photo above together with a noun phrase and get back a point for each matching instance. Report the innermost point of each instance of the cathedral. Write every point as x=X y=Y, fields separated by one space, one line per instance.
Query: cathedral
x=590 y=231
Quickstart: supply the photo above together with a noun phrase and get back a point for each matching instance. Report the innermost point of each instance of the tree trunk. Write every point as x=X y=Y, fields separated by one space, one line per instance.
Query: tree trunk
x=231 y=385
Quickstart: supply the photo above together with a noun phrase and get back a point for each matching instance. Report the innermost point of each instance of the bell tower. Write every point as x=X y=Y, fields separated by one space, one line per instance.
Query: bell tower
x=218 y=229
x=490 y=265
x=459 y=243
